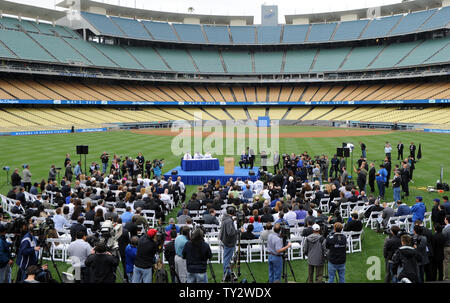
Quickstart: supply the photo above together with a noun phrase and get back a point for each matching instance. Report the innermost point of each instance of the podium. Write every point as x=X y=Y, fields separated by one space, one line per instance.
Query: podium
x=228 y=165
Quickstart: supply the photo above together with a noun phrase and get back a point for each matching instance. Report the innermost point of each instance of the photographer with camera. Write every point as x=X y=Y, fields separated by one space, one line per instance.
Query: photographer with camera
x=228 y=236
x=336 y=243
x=101 y=265
x=275 y=249
x=28 y=253
x=405 y=262
x=5 y=257
x=145 y=257
x=105 y=159
x=391 y=244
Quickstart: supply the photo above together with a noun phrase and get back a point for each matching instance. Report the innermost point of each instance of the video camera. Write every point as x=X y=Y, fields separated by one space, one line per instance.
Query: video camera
x=6 y=168
x=41 y=230
x=240 y=218
x=285 y=231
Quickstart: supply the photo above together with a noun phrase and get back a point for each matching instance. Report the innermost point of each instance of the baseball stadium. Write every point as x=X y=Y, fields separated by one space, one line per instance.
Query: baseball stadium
x=368 y=87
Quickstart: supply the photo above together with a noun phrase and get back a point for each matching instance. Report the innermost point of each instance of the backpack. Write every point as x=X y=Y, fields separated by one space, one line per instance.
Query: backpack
x=161 y=276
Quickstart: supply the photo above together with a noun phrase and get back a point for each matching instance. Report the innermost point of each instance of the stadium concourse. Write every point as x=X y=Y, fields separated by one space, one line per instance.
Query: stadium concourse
x=375 y=77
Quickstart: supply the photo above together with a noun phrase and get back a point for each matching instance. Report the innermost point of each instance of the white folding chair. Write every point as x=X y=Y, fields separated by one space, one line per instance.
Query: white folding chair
x=427 y=219
x=255 y=250
x=296 y=250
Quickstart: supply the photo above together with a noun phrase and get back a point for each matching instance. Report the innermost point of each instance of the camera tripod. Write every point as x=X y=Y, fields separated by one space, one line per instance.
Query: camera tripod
x=46 y=249
x=237 y=263
x=213 y=275
x=286 y=262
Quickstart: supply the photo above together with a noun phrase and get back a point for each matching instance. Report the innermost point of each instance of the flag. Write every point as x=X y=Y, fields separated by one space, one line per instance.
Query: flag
x=419 y=153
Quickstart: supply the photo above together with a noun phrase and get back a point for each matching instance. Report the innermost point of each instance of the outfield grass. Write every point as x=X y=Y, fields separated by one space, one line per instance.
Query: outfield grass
x=43 y=150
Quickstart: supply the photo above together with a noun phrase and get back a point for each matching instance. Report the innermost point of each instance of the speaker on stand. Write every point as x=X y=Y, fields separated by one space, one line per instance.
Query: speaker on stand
x=83 y=150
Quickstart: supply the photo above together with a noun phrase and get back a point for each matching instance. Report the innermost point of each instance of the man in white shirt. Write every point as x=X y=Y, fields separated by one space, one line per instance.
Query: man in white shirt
x=187 y=156
x=387 y=150
x=290 y=215
x=207 y=156
x=165 y=197
x=198 y=156
x=258 y=185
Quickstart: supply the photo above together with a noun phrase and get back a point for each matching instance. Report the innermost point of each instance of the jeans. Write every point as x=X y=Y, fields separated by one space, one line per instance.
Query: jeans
x=104 y=167
x=275 y=268
x=364 y=155
x=397 y=193
x=381 y=188
x=5 y=274
x=197 y=277
x=180 y=268
x=228 y=253
x=333 y=268
x=130 y=277
x=142 y=275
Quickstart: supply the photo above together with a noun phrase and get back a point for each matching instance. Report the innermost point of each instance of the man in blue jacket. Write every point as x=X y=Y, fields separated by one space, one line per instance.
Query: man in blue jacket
x=28 y=253
x=402 y=210
x=5 y=257
x=418 y=211
x=381 y=180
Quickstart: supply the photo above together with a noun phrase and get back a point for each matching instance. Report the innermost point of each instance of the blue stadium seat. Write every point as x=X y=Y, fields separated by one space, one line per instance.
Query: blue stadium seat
x=208 y=61
x=160 y=30
x=58 y=48
x=441 y=56
x=424 y=51
x=411 y=22
x=350 y=30
x=103 y=24
x=330 y=59
x=380 y=27
x=178 y=59
x=23 y=46
x=438 y=20
x=268 y=62
x=147 y=57
x=13 y=23
x=237 y=62
x=299 y=61
x=321 y=32
x=295 y=33
x=392 y=54
x=119 y=56
x=132 y=28
x=269 y=34
x=243 y=34
x=360 y=57
x=189 y=32
x=217 y=34
x=90 y=52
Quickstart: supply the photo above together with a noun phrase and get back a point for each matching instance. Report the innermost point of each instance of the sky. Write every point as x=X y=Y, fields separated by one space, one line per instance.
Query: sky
x=236 y=7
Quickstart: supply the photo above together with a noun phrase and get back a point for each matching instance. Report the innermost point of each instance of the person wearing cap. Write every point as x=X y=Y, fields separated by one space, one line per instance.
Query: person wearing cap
x=418 y=211
x=315 y=250
x=145 y=258
x=101 y=265
x=438 y=213
x=446 y=204
x=5 y=257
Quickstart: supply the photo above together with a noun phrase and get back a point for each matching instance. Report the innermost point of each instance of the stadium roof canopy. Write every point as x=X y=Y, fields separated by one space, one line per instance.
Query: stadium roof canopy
x=362 y=13
x=137 y=13
x=30 y=11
